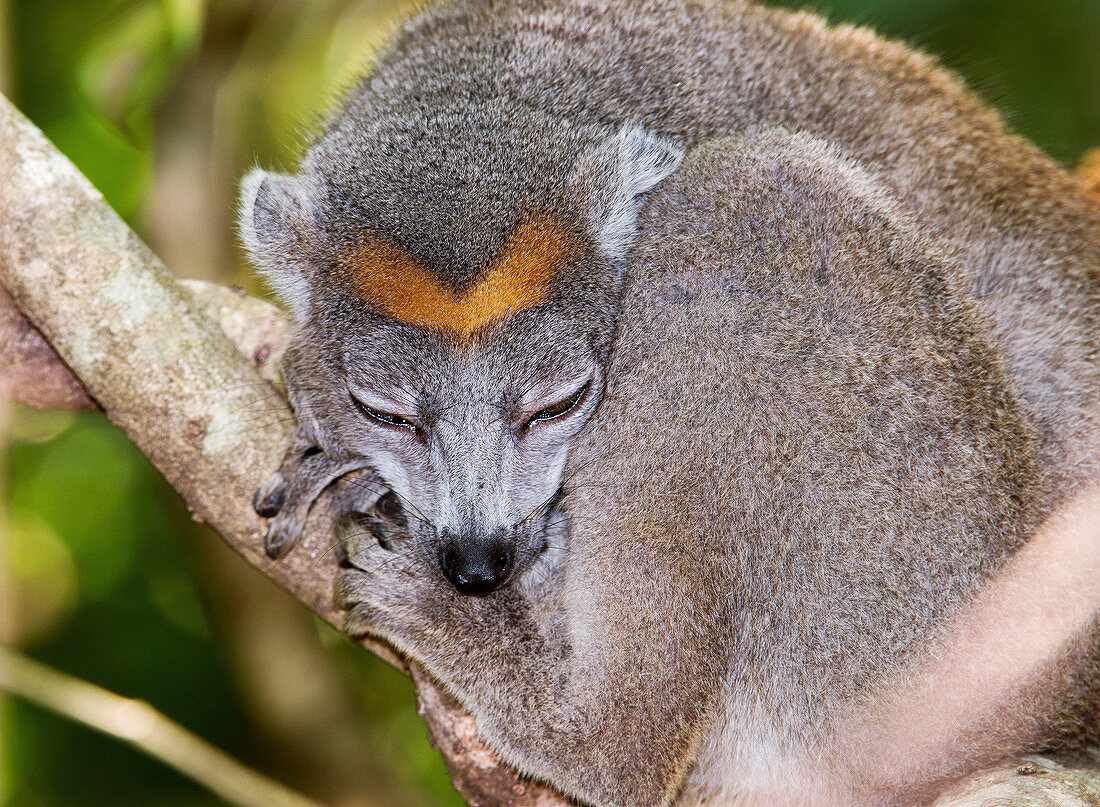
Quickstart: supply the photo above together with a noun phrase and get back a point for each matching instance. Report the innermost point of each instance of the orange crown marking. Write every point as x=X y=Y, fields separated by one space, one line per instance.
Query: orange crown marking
x=520 y=279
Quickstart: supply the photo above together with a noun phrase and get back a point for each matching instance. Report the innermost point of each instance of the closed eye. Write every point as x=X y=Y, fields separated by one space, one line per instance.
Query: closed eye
x=386 y=418
x=559 y=409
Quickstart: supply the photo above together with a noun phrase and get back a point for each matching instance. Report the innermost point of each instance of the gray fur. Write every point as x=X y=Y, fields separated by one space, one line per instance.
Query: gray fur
x=614 y=177
x=842 y=361
x=276 y=224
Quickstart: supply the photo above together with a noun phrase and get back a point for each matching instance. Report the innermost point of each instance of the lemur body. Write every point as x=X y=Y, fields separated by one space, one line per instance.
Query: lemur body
x=718 y=366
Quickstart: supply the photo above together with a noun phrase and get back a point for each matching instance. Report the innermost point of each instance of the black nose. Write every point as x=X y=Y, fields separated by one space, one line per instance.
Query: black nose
x=475 y=567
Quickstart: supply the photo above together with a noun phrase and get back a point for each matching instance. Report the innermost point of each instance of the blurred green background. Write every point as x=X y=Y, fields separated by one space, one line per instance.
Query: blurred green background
x=164 y=104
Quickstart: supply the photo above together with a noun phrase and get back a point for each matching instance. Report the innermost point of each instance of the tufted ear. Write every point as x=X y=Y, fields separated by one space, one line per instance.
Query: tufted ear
x=609 y=179
x=278 y=226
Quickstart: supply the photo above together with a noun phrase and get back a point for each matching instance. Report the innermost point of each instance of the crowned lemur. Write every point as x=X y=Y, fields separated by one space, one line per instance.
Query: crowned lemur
x=713 y=369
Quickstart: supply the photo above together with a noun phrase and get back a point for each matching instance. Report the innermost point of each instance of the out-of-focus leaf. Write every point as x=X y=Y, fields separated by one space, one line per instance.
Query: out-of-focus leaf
x=129 y=63
x=7 y=740
x=49 y=39
x=119 y=169
x=174 y=598
x=186 y=18
x=42 y=576
x=27 y=425
x=82 y=486
x=296 y=63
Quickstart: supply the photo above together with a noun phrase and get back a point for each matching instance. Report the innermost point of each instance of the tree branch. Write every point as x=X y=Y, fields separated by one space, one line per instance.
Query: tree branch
x=208 y=413
x=30 y=372
x=140 y=725
x=162 y=370
x=156 y=363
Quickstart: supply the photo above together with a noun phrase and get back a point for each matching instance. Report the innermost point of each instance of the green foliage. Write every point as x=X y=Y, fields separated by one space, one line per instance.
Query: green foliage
x=90 y=75
x=87 y=508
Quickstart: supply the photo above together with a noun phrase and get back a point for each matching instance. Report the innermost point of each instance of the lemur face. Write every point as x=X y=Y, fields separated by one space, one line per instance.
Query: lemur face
x=461 y=390
x=465 y=402
x=472 y=441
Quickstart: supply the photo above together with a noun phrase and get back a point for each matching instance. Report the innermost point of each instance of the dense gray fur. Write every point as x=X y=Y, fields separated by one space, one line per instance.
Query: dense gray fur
x=841 y=361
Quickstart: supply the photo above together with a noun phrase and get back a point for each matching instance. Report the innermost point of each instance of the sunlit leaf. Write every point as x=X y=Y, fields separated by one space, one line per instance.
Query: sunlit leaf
x=41 y=578
x=128 y=64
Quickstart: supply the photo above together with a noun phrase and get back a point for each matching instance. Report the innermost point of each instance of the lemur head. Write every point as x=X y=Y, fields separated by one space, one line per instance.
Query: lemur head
x=455 y=310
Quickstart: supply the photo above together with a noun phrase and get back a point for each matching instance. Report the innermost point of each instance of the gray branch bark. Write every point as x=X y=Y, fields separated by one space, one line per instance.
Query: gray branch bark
x=190 y=373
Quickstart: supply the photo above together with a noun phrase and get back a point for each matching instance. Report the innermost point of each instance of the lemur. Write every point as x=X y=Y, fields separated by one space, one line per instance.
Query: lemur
x=709 y=372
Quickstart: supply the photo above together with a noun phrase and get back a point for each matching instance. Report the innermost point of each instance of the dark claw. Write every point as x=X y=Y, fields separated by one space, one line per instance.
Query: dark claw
x=390 y=508
x=341 y=555
x=288 y=494
x=367 y=517
x=276 y=542
x=269 y=506
x=345 y=528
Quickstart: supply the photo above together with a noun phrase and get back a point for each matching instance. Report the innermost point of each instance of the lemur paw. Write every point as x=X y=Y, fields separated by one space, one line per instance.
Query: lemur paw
x=389 y=588
x=288 y=494
x=384 y=585
x=393 y=589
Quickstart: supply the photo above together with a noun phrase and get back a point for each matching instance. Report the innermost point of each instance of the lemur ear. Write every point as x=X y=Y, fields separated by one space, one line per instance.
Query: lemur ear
x=277 y=227
x=609 y=180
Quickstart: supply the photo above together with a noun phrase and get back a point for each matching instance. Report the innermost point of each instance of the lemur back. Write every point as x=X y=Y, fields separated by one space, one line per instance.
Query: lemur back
x=840 y=431
x=712 y=370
